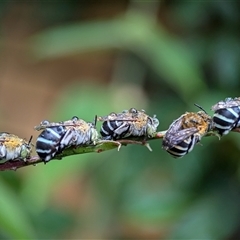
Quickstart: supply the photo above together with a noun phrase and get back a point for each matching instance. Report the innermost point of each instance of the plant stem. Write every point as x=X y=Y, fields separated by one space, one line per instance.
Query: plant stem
x=100 y=146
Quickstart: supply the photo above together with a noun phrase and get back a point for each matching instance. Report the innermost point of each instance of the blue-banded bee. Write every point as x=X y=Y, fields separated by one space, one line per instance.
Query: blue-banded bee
x=55 y=137
x=226 y=115
x=185 y=132
x=13 y=148
x=129 y=123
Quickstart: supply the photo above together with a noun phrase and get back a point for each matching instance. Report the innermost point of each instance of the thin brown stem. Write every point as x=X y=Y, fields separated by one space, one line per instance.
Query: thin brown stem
x=236 y=130
x=101 y=146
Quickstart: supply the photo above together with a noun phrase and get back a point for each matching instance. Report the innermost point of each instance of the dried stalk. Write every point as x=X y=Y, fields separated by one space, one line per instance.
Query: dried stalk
x=101 y=146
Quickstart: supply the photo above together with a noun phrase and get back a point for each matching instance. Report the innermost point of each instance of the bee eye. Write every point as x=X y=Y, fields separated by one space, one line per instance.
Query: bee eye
x=228 y=99
x=75 y=118
x=155 y=121
x=4 y=133
x=44 y=122
x=59 y=128
x=111 y=116
x=133 y=110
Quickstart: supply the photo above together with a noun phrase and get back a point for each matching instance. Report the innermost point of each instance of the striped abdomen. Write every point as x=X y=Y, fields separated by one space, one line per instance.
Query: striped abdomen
x=48 y=142
x=226 y=119
x=114 y=129
x=184 y=147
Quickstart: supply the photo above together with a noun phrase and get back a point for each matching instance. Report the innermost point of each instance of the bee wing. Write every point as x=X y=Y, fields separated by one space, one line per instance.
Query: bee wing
x=115 y=118
x=111 y=116
x=182 y=135
x=175 y=136
x=228 y=103
x=53 y=124
x=44 y=126
x=175 y=127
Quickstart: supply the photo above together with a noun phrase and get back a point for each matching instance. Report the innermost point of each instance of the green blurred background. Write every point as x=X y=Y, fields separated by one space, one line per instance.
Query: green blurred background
x=65 y=58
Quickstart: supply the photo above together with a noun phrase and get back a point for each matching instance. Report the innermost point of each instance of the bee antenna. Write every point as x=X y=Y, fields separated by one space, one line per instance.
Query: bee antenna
x=195 y=104
x=30 y=139
x=95 y=120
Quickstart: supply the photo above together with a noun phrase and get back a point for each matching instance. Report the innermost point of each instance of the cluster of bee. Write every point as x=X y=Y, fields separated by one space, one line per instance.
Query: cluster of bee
x=180 y=138
x=186 y=131
x=57 y=136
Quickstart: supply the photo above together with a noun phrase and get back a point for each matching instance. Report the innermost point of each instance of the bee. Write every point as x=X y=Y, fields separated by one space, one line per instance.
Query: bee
x=12 y=147
x=226 y=115
x=55 y=137
x=185 y=132
x=127 y=124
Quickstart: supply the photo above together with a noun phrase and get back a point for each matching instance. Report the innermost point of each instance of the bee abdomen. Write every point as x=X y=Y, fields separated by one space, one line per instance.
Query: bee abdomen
x=47 y=145
x=226 y=119
x=183 y=147
x=114 y=130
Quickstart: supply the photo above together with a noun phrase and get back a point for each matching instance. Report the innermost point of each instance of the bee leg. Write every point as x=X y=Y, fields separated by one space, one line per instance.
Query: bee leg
x=2 y=151
x=119 y=146
x=122 y=131
x=68 y=139
x=146 y=144
x=213 y=133
x=107 y=138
